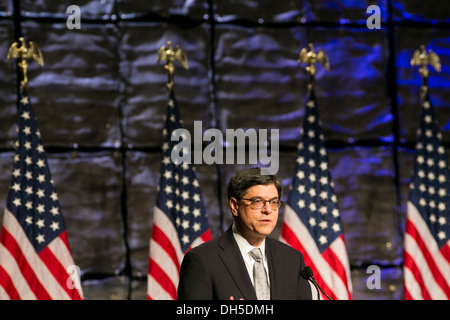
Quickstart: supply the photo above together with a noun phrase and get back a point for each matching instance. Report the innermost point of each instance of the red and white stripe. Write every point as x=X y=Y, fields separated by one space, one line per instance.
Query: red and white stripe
x=331 y=268
x=426 y=268
x=27 y=275
x=165 y=257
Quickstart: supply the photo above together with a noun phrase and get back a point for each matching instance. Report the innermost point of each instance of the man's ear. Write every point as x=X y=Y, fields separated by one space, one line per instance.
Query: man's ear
x=234 y=204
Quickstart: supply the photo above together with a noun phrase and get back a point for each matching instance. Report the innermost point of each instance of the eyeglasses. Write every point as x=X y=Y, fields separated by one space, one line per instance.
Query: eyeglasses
x=259 y=203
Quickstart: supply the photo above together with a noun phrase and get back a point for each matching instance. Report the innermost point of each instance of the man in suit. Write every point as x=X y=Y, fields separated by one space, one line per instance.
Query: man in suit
x=244 y=263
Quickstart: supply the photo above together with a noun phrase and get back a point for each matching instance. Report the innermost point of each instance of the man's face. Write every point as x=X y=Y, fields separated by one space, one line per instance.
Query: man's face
x=255 y=224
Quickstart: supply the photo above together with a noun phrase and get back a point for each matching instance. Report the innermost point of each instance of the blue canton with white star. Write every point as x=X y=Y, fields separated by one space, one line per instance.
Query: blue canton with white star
x=32 y=198
x=312 y=196
x=179 y=195
x=430 y=184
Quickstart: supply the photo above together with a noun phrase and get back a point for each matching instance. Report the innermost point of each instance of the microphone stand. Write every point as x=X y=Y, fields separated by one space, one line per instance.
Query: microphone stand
x=305 y=276
x=308 y=274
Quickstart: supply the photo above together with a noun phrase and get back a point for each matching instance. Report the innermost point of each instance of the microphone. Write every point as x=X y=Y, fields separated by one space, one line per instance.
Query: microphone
x=305 y=275
x=308 y=274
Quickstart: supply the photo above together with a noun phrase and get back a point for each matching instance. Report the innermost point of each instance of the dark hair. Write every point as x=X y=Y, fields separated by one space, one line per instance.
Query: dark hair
x=243 y=180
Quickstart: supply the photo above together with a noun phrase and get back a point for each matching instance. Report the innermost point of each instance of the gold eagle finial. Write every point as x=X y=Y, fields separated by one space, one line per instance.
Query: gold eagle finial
x=18 y=50
x=311 y=58
x=422 y=59
x=170 y=55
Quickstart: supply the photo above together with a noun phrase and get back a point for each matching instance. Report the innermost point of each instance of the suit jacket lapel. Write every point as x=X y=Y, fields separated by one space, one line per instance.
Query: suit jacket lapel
x=232 y=258
x=274 y=263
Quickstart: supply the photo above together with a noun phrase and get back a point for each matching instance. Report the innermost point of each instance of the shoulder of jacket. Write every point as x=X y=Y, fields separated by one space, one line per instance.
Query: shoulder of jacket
x=279 y=245
x=204 y=247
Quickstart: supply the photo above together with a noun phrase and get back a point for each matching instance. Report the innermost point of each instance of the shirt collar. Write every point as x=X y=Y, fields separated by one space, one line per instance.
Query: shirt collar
x=244 y=246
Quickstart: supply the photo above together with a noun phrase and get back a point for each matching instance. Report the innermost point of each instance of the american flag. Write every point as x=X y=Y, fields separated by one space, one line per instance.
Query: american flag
x=427 y=231
x=179 y=219
x=311 y=222
x=35 y=257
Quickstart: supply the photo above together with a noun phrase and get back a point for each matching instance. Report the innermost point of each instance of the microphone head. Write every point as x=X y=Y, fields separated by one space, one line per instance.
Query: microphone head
x=304 y=274
x=308 y=271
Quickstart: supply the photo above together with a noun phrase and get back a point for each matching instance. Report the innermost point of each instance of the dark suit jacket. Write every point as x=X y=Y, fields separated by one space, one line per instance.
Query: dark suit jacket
x=216 y=270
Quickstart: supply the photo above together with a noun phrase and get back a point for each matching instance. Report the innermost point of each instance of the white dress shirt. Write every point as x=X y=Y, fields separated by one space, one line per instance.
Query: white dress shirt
x=245 y=247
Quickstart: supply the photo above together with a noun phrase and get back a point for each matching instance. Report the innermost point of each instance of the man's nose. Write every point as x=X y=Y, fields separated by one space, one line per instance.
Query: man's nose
x=267 y=209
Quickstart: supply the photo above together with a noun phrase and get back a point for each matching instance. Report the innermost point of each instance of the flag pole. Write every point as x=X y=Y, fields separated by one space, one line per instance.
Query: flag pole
x=312 y=222
x=170 y=55
x=38 y=255
x=179 y=222
x=309 y=56
x=19 y=50
x=426 y=227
